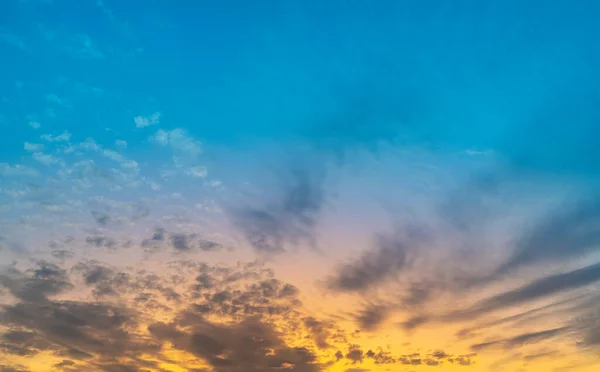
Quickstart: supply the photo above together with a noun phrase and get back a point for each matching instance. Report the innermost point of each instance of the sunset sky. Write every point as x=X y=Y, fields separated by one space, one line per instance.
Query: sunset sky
x=310 y=186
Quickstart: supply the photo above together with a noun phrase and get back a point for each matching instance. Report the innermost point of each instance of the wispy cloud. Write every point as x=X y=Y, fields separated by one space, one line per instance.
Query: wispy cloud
x=146 y=121
x=287 y=219
x=63 y=137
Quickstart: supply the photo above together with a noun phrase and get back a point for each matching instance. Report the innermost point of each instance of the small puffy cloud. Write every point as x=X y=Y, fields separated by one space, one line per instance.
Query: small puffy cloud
x=146 y=121
x=33 y=147
x=520 y=340
x=63 y=137
x=199 y=172
x=121 y=143
x=34 y=124
x=89 y=144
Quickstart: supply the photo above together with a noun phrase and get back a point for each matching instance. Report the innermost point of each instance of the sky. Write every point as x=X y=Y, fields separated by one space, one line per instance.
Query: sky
x=312 y=186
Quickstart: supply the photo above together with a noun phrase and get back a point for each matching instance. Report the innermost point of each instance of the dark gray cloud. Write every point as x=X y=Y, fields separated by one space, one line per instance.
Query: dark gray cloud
x=520 y=340
x=387 y=258
x=101 y=241
x=77 y=330
x=532 y=315
x=179 y=242
x=250 y=345
x=570 y=232
x=102 y=219
x=355 y=354
x=372 y=316
x=265 y=297
x=36 y=284
x=566 y=232
x=539 y=288
x=592 y=336
x=288 y=218
x=381 y=357
x=92 y=328
x=324 y=332
x=64 y=363
x=105 y=333
x=148 y=288
x=62 y=254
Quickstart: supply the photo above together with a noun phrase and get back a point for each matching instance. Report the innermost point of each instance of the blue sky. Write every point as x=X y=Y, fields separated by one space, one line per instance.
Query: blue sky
x=383 y=158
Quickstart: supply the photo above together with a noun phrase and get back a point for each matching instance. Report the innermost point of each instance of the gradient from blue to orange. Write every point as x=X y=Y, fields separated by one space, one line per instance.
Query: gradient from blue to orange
x=423 y=174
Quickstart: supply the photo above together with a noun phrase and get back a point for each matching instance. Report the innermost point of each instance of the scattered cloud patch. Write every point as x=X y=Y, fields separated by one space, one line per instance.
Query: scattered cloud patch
x=146 y=121
x=63 y=137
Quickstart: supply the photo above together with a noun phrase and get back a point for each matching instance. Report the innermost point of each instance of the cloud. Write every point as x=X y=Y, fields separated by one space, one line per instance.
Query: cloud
x=234 y=318
x=53 y=98
x=540 y=288
x=321 y=331
x=33 y=147
x=249 y=345
x=14 y=368
x=146 y=121
x=199 y=172
x=17 y=170
x=288 y=219
x=63 y=137
x=523 y=317
x=568 y=233
x=180 y=141
x=179 y=242
x=372 y=316
x=520 y=340
x=37 y=284
x=101 y=241
x=390 y=255
x=101 y=218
